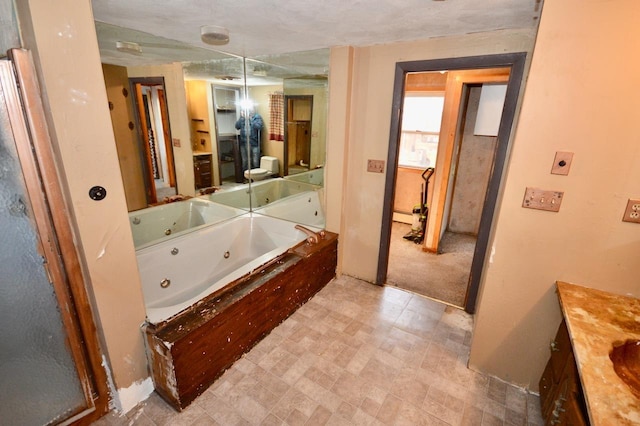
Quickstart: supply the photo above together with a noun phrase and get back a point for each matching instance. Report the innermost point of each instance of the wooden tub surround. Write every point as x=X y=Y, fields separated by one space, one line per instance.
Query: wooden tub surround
x=189 y=351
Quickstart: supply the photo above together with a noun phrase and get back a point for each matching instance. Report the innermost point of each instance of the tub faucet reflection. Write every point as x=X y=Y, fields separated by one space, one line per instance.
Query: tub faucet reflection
x=312 y=237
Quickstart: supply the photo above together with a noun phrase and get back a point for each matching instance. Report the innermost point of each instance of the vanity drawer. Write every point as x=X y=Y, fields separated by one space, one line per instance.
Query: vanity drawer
x=547 y=387
x=204 y=166
x=560 y=349
x=561 y=397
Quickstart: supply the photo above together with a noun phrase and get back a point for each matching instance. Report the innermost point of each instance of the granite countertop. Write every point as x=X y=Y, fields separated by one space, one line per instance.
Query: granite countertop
x=596 y=319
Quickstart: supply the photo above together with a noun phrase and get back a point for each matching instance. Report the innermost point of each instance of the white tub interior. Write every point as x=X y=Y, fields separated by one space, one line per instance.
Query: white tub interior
x=305 y=208
x=260 y=193
x=199 y=263
x=158 y=223
x=313 y=177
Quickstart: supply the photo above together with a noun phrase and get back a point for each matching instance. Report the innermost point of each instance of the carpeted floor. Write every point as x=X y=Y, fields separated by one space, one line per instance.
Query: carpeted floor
x=442 y=276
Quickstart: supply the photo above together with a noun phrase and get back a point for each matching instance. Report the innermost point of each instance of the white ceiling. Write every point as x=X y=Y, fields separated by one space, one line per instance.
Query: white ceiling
x=270 y=27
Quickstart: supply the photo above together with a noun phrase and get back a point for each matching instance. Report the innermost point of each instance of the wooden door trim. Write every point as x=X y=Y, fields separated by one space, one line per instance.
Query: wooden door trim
x=143 y=133
x=456 y=80
x=168 y=142
x=57 y=243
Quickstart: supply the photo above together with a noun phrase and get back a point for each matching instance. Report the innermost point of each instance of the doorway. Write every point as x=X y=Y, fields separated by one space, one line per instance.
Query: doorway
x=227 y=144
x=455 y=257
x=297 y=133
x=155 y=143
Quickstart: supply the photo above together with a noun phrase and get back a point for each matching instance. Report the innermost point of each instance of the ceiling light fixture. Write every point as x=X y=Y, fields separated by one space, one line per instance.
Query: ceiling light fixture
x=212 y=34
x=261 y=70
x=128 y=47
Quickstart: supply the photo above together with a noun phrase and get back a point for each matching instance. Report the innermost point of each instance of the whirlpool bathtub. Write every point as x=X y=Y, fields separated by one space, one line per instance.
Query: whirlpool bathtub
x=180 y=272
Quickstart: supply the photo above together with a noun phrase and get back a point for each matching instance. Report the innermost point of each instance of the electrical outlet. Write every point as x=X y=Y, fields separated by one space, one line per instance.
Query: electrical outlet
x=375 y=166
x=541 y=199
x=632 y=212
x=562 y=163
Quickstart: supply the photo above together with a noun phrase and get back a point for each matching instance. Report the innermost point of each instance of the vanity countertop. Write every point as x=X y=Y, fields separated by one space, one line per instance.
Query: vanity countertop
x=595 y=320
x=196 y=153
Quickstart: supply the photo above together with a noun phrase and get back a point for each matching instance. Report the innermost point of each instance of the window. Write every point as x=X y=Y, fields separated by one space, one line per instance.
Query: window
x=421 y=117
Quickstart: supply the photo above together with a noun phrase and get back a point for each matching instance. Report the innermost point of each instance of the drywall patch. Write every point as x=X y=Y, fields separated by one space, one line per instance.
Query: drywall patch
x=110 y=384
x=129 y=397
x=124 y=400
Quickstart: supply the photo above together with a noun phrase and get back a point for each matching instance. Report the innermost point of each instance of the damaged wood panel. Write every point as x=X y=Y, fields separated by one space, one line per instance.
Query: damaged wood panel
x=189 y=352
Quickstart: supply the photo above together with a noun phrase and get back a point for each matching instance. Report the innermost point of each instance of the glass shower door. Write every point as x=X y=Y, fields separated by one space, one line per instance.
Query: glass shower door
x=39 y=379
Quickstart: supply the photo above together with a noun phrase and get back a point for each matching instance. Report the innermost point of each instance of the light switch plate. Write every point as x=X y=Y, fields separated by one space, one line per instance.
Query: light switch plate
x=562 y=163
x=542 y=199
x=375 y=166
x=632 y=212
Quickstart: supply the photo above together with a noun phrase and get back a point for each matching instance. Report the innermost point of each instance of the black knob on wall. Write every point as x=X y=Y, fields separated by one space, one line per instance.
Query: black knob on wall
x=97 y=193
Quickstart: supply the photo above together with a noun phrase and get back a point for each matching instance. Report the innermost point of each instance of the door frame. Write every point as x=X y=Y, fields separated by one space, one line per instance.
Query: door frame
x=515 y=61
x=287 y=98
x=449 y=144
x=135 y=84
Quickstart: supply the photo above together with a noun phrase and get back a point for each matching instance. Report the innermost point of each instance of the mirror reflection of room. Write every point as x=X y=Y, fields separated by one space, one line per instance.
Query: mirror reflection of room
x=154 y=130
x=194 y=146
x=299 y=118
x=289 y=139
x=305 y=102
x=179 y=135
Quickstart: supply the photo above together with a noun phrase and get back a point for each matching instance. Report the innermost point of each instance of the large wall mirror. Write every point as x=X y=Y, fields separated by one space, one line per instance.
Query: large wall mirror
x=198 y=124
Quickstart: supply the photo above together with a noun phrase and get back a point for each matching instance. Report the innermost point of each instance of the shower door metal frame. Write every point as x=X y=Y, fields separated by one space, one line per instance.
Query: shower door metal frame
x=51 y=224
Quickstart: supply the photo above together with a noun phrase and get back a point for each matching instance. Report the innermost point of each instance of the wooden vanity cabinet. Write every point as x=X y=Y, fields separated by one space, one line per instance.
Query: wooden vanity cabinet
x=202 y=171
x=561 y=397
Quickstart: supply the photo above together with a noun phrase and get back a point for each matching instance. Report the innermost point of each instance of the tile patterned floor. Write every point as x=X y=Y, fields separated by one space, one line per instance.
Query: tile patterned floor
x=355 y=354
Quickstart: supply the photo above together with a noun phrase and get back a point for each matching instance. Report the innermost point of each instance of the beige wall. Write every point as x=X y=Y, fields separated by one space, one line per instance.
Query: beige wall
x=338 y=139
x=116 y=79
x=63 y=39
x=178 y=118
x=359 y=122
x=409 y=191
x=199 y=107
x=579 y=98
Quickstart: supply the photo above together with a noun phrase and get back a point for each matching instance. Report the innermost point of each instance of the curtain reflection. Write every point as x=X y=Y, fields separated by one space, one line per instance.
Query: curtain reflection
x=276 y=116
